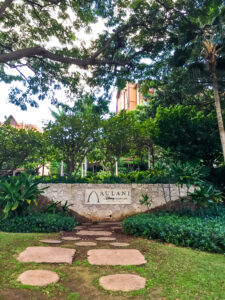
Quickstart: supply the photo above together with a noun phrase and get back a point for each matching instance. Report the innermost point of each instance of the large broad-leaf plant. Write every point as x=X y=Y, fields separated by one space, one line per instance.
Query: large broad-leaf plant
x=18 y=194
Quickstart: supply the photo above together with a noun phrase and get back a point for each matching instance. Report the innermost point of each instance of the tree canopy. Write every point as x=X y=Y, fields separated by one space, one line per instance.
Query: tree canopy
x=43 y=36
x=74 y=132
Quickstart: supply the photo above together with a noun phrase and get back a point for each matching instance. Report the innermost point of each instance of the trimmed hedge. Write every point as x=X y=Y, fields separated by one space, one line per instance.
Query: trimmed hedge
x=131 y=177
x=37 y=223
x=206 y=233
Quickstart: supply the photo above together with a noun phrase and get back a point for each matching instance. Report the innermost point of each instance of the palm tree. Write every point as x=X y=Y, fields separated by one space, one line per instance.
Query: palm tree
x=211 y=53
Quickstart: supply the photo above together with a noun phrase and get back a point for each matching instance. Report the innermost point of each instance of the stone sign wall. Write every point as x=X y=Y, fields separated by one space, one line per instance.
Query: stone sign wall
x=111 y=201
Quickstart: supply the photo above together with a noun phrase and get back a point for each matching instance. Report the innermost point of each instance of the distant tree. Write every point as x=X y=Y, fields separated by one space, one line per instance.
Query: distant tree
x=43 y=154
x=17 y=147
x=188 y=134
x=142 y=140
x=74 y=132
x=116 y=138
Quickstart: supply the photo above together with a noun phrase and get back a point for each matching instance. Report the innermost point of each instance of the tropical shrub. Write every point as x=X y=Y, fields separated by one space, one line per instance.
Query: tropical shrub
x=189 y=134
x=37 y=223
x=204 y=231
x=131 y=177
x=205 y=194
x=56 y=207
x=18 y=193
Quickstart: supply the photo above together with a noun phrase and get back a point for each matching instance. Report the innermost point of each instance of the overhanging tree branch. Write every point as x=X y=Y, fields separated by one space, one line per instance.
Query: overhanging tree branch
x=5 y=4
x=39 y=51
x=108 y=42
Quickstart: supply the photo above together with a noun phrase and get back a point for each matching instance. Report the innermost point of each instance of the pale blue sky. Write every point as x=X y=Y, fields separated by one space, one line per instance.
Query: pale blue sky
x=35 y=116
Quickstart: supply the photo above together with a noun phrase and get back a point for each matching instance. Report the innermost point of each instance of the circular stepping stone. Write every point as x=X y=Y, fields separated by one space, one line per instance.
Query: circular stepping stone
x=120 y=244
x=70 y=238
x=51 y=241
x=92 y=233
x=115 y=257
x=47 y=255
x=85 y=244
x=105 y=238
x=38 y=277
x=122 y=282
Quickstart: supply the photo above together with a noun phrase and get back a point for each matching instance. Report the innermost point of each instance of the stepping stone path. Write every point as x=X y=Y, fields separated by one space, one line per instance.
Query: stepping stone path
x=47 y=255
x=38 y=277
x=111 y=223
x=115 y=257
x=116 y=228
x=70 y=238
x=92 y=233
x=51 y=241
x=122 y=282
x=105 y=238
x=79 y=227
x=120 y=244
x=109 y=257
x=86 y=244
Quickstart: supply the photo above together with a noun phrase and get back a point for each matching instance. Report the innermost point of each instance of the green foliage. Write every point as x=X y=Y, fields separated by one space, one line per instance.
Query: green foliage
x=130 y=177
x=145 y=201
x=190 y=135
x=19 y=148
x=116 y=138
x=187 y=173
x=37 y=223
x=18 y=193
x=206 y=233
x=205 y=194
x=74 y=132
x=55 y=168
x=56 y=207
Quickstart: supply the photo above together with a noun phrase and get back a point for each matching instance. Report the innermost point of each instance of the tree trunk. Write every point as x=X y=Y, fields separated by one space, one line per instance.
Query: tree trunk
x=43 y=167
x=218 y=107
x=70 y=167
x=149 y=161
x=112 y=169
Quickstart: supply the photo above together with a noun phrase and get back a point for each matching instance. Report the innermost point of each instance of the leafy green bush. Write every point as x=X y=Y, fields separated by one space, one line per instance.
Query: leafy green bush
x=56 y=207
x=60 y=179
x=132 y=177
x=206 y=232
x=17 y=193
x=37 y=223
x=217 y=177
x=205 y=194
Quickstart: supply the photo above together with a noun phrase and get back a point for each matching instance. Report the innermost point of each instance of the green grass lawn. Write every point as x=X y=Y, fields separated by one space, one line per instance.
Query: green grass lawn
x=171 y=272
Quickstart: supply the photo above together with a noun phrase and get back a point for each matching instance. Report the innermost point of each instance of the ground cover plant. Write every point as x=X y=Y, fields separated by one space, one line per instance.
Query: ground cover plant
x=39 y=222
x=171 y=272
x=204 y=229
